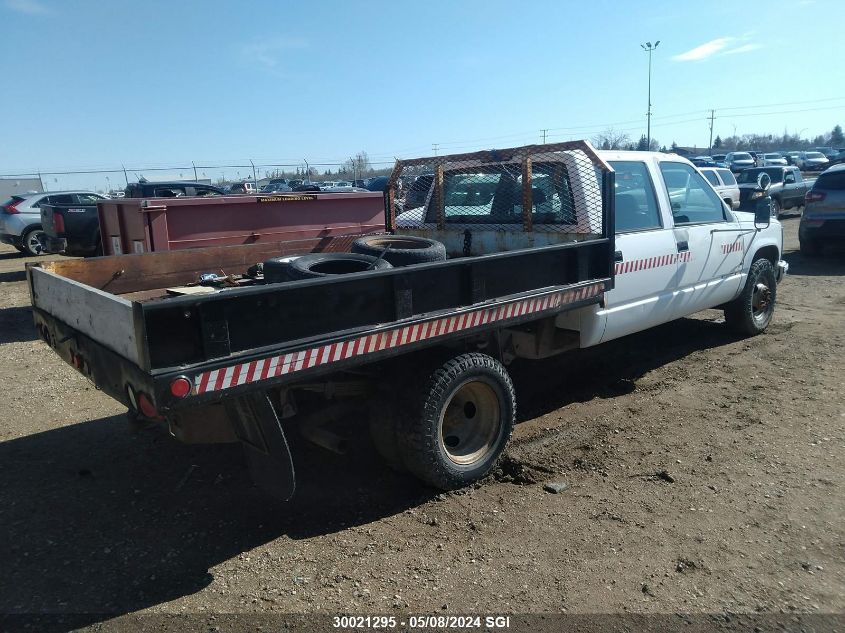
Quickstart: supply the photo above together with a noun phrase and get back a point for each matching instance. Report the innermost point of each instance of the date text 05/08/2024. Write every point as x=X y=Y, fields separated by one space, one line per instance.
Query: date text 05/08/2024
x=421 y=622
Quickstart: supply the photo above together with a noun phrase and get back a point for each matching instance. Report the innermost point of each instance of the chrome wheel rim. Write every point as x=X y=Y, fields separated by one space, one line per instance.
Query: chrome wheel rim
x=761 y=301
x=33 y=242
x=471 y=423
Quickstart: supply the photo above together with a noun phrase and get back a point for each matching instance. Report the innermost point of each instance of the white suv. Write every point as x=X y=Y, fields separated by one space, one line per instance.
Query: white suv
x=20 y=217
x=724 y=183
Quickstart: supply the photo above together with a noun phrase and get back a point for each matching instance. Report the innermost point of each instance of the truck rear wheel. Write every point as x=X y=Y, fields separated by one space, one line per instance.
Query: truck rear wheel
x=751 y=312
x=461 y=423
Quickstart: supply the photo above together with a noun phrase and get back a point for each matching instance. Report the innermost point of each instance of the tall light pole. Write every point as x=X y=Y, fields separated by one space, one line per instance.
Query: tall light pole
x=649 y=48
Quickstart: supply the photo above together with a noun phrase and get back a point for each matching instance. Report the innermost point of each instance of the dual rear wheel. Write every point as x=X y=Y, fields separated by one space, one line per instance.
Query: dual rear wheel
x=454 y=429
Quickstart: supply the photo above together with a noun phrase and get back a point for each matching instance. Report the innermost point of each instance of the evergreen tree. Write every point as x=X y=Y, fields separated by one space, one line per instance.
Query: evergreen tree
x=837 y=139
x=718 y=142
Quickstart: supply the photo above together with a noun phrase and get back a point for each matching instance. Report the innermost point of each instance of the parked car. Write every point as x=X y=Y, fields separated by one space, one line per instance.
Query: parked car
x=377 y=183
x=829 y=152
x=737 y=161
x=792 y=157
x=787 y=188
x=277 y=188
x=771 y=159
x=838 y=159
x=823 y=219
x=20 y=217
x=812 y=161
x=177 y=189
x=246 y=186
x=724 y=183
x=703 y=161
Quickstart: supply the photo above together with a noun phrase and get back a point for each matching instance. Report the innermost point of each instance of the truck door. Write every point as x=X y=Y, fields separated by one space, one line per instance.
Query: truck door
x=707 y=238
x=646 y=256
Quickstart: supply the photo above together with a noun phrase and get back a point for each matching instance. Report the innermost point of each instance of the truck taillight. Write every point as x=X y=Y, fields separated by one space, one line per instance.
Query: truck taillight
x=815 y=196
x=58 y=223
x=180 y=387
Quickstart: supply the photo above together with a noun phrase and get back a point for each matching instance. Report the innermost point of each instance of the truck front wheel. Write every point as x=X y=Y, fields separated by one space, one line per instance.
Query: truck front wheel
x=461 y=423
x=751 y=312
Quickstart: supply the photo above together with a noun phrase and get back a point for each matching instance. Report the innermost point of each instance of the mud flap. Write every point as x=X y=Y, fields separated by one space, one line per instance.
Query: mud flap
x=265 y=446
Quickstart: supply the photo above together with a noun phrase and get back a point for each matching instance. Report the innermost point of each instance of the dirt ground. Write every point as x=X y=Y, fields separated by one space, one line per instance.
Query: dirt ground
x=705 y=473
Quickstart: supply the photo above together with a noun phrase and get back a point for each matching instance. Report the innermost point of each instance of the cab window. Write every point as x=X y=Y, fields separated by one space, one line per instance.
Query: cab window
x=693 y=200
x=636 y=203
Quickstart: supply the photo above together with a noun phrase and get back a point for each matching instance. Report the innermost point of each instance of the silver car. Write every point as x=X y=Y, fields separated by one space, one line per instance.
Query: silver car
x=771 y=159
x=724 y=183
x=20 y=217
x=812 y=161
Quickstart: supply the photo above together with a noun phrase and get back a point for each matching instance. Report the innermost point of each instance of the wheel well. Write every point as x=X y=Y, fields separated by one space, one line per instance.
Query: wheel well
x=767 y=252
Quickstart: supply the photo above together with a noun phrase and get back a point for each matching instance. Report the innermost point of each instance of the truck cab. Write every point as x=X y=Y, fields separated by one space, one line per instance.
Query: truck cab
x=679 y=248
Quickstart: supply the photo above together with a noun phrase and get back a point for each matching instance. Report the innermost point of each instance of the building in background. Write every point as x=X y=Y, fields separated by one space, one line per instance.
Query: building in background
x=11 y=186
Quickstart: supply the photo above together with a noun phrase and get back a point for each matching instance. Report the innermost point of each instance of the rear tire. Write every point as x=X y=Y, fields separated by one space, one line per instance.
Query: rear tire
x=809 y=248
x=31 y=242
x=457 y=429
x=776 y=209
x=752 y=311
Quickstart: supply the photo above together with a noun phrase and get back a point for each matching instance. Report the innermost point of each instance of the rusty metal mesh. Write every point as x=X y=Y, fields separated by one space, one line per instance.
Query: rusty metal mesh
x=540 y=188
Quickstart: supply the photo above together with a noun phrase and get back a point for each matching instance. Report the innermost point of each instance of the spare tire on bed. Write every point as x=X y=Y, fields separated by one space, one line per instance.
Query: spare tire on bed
x=319 y=265
x=400 y=250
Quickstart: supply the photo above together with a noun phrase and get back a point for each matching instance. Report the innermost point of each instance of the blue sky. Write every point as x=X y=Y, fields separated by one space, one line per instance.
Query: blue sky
x=92 y=84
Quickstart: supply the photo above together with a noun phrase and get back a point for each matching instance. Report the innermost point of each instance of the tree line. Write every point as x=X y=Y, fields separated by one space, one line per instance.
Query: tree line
x=613 y=139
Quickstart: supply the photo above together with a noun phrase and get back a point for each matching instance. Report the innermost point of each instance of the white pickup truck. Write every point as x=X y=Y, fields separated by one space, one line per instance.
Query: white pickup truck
x=524 y=252
x=679 y=248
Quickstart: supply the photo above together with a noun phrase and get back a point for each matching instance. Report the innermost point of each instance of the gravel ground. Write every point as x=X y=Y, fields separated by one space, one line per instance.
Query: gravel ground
x=703 y=474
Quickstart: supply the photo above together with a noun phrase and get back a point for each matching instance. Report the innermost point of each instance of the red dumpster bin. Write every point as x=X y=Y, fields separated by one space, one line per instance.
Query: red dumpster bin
x=142 y=225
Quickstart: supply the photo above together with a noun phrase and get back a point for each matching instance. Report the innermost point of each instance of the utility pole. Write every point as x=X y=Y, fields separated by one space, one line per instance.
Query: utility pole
x=435 y=147
x=125 y=176
x=649 y=49
x=544 y=134
x=195 y=171
x=712 y=116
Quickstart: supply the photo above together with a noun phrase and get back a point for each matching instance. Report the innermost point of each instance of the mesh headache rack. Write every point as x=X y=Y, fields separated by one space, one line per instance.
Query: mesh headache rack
x=503 y=199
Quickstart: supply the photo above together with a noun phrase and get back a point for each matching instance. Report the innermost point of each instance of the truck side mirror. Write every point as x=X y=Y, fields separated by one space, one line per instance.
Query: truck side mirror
x=763 y=213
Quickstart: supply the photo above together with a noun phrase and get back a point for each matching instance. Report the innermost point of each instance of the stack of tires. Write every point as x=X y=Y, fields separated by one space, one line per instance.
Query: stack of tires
x=372 y=252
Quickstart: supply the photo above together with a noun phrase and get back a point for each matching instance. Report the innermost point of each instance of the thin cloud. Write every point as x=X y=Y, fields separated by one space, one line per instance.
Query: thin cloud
x=704 y=51
x=745 y=48
x=271 y=53
x=719 y=47
x=27 y=7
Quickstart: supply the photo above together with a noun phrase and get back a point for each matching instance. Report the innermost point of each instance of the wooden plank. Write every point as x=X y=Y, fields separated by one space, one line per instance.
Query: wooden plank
x=134 y=273
x=105 y=318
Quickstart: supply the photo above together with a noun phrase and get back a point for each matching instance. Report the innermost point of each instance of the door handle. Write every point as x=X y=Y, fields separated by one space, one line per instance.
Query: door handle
x=683 y=246
x=617 y=256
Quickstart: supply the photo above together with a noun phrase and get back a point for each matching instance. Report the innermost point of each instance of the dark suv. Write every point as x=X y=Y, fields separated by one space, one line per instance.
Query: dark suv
x=177 y=189
x=823 y=219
